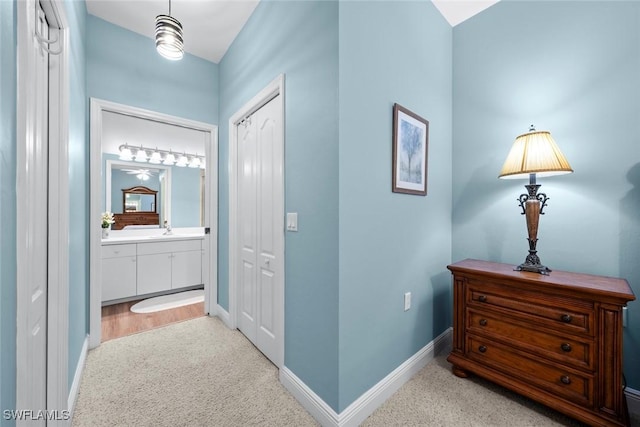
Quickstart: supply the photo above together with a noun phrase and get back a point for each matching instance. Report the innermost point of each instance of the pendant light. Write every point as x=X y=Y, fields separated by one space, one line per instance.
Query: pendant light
x=169 y=41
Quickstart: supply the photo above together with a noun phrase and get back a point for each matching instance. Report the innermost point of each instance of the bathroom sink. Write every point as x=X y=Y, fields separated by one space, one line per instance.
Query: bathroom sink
x=167 y=236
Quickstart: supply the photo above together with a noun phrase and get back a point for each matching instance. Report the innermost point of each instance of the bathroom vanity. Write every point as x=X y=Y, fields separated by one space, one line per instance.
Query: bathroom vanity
x=139 y=266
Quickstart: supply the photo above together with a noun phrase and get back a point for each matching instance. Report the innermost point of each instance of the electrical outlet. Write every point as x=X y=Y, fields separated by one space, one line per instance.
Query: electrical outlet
x=625 y=316
x=407 y=301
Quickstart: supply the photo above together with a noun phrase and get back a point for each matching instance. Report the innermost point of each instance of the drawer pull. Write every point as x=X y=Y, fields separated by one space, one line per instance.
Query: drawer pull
x=566 y=318
x=482 y=348
x=565 y=347
x=483 y=322
x=565 y=379
x=482 y=298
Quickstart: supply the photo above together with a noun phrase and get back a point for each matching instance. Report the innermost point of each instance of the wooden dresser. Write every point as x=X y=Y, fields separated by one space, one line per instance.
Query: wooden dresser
x=135 y=218
x=556 y=339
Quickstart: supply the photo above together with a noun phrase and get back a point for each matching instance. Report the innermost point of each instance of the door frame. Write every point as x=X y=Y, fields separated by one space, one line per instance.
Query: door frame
x=58 y=207
x=98 y=107
x=273 y=89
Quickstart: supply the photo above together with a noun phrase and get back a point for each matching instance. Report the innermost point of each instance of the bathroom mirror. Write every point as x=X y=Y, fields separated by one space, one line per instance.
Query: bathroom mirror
x=180 y=190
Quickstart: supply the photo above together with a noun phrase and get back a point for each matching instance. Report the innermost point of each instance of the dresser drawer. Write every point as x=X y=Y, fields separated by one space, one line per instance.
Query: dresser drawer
x=562 y=314
x=564 y=382
x=565 y=349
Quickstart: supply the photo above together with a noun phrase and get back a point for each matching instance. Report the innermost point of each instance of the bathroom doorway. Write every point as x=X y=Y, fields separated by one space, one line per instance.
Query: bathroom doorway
x=102 y=111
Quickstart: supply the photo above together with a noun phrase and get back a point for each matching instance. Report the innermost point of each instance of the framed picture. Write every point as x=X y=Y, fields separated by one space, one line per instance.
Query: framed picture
x=410 y=144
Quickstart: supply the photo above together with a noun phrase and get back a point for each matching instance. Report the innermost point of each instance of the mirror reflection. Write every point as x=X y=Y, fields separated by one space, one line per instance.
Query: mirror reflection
x=139 y=199
x=176 y=190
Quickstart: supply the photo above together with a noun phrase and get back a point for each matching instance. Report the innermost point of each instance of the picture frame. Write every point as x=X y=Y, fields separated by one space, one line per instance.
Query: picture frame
x=410 y=152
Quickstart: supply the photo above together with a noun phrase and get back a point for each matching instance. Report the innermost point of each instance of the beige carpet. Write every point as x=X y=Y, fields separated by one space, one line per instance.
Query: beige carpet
x=193 y=373
x=199 y=373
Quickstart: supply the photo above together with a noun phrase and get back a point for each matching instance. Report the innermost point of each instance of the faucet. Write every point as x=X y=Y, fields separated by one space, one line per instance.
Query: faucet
x=167 y=227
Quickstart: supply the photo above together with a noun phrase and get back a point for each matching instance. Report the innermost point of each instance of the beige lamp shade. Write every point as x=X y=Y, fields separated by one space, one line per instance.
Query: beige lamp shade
x=534 y=152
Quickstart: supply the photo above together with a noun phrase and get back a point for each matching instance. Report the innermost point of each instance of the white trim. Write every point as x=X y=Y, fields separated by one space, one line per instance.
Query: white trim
x=58 y=252
x=318 y=408
x=211 y=219
x=223 y=315
x=633 y=401
x=366 y=404
x=75 y=386
x=57 y=194
x=211 y=152
x=276 y=87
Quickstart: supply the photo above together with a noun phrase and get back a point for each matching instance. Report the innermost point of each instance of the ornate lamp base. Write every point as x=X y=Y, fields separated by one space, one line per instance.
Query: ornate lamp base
x=532 y=263
x=532 y=205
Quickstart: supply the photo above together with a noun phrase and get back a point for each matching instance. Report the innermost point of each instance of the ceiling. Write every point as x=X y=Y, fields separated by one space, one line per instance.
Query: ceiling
x=210 y=26
x=118 y=129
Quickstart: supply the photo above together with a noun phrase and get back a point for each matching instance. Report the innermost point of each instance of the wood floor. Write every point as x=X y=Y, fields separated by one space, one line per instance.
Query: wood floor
x=118 y=320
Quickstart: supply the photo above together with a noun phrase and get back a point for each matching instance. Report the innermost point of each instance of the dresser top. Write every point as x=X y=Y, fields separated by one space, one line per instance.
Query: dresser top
x=561 y=280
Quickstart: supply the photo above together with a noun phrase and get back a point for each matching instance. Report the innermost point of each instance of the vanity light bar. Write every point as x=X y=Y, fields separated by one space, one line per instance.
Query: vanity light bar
x=157 y=156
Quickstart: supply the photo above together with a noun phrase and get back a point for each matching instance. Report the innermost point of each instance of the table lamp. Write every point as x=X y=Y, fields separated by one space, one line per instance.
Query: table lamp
x=534 y=153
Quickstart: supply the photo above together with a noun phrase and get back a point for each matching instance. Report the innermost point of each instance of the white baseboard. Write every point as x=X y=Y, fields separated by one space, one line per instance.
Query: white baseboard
x=633 y=401
x=364 y=406
x=310 y=401
x=224 y=316
x=75 y=386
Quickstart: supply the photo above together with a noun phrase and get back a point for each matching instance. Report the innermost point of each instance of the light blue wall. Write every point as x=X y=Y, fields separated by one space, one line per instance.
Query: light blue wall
x=78 y=186
x=8 y=39
x=299 y=39
x=391 y=243
x=185 y=197
x=572 y=68
x=124 y=67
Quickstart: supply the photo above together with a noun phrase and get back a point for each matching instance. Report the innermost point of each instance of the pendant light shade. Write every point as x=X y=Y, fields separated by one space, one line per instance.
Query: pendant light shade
x=169 y=41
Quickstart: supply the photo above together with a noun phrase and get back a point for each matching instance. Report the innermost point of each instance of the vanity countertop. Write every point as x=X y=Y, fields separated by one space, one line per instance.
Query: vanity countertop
x=119 y=240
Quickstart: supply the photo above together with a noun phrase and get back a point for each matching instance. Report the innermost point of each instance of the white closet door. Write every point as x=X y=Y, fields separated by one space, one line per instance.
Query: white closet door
x=37 y=235
x=261 y=222
x=247 y=183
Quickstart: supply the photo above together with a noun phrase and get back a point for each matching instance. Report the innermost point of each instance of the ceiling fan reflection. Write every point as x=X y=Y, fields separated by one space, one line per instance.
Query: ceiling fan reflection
x=141 y=174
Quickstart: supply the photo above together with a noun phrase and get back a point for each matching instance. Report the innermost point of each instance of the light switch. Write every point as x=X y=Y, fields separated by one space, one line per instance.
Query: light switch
x=292 y=221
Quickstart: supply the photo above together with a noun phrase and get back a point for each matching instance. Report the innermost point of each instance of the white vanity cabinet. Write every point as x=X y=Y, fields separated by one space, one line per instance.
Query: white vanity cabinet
x=186 y=269
x=149 y=267
x=154 y=273
x=118 y=271
x=169 y=265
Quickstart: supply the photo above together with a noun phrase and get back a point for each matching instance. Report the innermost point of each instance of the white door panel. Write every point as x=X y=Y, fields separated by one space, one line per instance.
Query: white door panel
x=248 y=300
x=261 y=228
x=37 y=149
